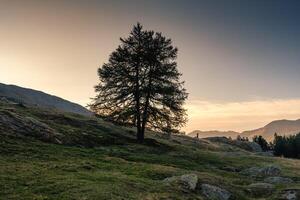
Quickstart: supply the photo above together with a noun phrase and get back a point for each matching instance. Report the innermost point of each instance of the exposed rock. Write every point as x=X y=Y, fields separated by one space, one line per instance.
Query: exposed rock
x=11 y=122
x=260 y=189
x=290 y=194
x=271 y=170
x=278 y=180
x=214 y=192
x=186 y=181
x=263 y=172
x=253 y=146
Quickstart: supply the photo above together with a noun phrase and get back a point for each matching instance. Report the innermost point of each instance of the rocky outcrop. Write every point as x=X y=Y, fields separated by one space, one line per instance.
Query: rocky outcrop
x=260 y=189
x=268 y=171
x=289 y=194
x=278 y=180
x=12 y=123
x=252 y=146
x=186 y=181
x=214 y=192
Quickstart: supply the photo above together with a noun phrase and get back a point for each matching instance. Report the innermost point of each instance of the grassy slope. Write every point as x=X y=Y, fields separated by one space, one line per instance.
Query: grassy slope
x=108 y=164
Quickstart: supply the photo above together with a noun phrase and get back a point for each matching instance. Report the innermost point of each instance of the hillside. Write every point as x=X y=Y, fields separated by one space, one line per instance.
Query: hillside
x=47 y=154
x=281 y=127
x=215 y=133
x=40 y=99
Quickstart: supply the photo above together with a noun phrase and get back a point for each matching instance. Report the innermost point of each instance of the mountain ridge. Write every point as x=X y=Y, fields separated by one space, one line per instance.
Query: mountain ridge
x=281 y=127
x=39 y=98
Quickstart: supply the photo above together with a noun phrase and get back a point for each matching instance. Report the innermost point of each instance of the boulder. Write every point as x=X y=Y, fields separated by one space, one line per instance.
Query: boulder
x=186 y=181
x=278 y=180
x=262 y=171
x=253 y=146
x=260 y=189
x=214 y=192
x=290 y=194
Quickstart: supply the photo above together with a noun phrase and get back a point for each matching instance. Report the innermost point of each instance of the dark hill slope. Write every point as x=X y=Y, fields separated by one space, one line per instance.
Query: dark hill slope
x=46 y=154
x=40 y=99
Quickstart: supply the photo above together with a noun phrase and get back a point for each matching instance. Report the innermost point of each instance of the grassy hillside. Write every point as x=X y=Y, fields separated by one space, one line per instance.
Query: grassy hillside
x=45 y=154
x=41 y=99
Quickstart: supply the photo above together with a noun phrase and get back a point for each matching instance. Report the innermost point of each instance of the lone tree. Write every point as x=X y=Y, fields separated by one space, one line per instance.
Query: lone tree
x=140 y=85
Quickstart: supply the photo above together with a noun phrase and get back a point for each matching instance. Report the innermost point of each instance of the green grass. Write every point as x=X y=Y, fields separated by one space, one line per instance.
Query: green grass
x=103 y=161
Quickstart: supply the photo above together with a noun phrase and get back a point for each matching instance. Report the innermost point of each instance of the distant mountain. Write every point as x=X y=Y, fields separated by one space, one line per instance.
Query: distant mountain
x=205 y=134
x=40 y=99
x=281 y=127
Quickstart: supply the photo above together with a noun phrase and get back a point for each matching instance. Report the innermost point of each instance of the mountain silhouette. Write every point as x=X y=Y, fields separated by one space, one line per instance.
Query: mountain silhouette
x=281 y=127
x=38 y=98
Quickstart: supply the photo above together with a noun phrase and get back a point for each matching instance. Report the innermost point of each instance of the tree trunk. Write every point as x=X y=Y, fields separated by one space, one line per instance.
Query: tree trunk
x=145 y=115
x=145 y=112
x=139 y=132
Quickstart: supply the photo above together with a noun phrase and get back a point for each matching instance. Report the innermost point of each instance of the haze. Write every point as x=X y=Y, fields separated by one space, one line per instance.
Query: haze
x=239 y=59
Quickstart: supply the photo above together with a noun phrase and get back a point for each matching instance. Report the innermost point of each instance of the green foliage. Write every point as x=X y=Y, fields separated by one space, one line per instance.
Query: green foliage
x=262 y=142
x=287 y=146
x=140 y=85
x=239 y=138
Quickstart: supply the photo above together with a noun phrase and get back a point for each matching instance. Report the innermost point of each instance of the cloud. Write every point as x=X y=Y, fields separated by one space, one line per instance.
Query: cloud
x=239 y=116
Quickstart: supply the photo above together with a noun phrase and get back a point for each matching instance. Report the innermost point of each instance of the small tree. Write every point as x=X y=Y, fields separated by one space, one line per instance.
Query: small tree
x=239 y=138
x=279 y=145
x=140 y=85
x=262 y=142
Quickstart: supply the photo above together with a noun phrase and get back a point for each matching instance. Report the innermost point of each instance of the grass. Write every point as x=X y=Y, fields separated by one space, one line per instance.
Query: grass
x=102 y=161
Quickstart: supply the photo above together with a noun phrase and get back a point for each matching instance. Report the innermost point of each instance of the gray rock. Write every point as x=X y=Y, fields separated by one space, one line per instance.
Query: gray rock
x=13 y=123
x=186 y=181
x=278 y=180
x=214 y=192
x=260 y=189
x=290 y=194
x=263 y=172
x=254 y=147
x=271 y=171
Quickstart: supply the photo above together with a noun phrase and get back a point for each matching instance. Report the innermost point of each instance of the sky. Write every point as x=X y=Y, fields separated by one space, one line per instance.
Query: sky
x=239 y=58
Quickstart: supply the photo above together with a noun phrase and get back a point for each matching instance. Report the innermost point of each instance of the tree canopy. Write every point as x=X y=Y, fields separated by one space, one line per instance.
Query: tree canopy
x=140 y=84
x=287 y=146
x=262 y=142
